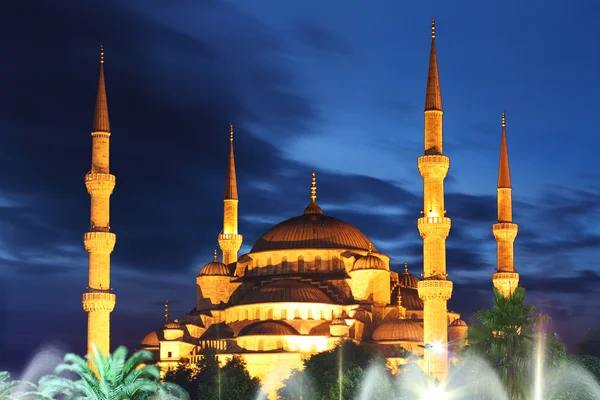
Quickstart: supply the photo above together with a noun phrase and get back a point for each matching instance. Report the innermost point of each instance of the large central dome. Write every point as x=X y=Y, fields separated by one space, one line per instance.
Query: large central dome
x=312 y=231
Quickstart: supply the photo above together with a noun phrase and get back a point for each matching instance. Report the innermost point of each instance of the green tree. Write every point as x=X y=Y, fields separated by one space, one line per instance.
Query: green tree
x=320 y=377
x=117 y=378
x=18 y=390
x=505 y=337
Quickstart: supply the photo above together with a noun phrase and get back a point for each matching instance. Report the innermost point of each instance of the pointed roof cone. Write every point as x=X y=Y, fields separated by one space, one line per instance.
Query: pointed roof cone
x=406 y=268
x=101 y=123
x=231 y=192
x=313 y=207
x=433 y=98
x=504 y=169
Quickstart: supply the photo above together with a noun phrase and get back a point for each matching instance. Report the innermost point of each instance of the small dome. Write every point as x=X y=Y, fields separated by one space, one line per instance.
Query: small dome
x=458 y=323
x=403 y=330
x=339 y=321
x=214 y=268
x=268 y=328
x=407 y=280
x=288 y=291
x=151 y=339
x=370 y=261
x=172 y=325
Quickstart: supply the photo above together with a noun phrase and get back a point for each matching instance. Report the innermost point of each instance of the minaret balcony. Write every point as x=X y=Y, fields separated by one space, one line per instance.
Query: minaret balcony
x=434 y=227
x=100 y=184
x=433 y=166
x=99 y=242
x=99 y=301
x=505 y=231
x=433 y=289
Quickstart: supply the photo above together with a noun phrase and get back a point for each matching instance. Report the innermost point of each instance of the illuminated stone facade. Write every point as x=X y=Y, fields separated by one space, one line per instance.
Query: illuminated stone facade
x=98 y=301
x=313 y=280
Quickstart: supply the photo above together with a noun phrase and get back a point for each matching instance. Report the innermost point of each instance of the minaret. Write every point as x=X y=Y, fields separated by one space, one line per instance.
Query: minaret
x=98 y=301
x=505 y=279
x=434 y=227
x=230 y=240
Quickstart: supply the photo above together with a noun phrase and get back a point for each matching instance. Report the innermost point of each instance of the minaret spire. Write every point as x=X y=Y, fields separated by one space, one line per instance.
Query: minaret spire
x=99 y=242
x=167 y=311
x=505 y=232
x=101 y=123
x=435 y=290
x=433 y=99
x=230 y=240
x=503 y=169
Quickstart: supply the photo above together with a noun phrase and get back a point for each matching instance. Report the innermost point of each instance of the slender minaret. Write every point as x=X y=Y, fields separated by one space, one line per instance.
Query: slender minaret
x=434 y=227
x=99 y=302
x=230 y=240
x=505 y=279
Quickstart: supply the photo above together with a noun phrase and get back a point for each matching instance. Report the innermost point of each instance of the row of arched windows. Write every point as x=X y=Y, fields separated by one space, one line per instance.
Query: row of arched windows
x=245 y=313
x=286 y=267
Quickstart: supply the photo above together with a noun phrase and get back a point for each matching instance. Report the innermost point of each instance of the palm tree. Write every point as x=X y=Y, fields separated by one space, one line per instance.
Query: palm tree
x=18 y=390
x=505 y=337
x=117 y=378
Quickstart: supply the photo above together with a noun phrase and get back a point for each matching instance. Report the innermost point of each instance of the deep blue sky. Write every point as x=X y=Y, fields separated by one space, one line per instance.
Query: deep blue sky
x=335 y=87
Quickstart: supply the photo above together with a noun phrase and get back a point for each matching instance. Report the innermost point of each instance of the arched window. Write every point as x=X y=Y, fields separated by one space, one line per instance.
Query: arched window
x=257 y=313
x=321 y=314
x=301 y=264
x=317 y=263
x=261 y=345
x=284 y=314
x=269 y=314
x=284 y=265
x=279 y=344
x=414 y=316
x=310 y=313
x=297 y=313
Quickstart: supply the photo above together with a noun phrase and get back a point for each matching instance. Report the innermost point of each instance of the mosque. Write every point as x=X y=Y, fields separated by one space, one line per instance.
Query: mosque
x=309 y=281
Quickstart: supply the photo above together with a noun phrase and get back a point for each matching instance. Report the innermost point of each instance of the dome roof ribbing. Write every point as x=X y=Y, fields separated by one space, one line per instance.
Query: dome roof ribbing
x=286 y=290
x=399 y=330
x=214 y=268
x=458 y=323
x=151 y=339
x=370 y=261
x=407 y=280
x=312 y=230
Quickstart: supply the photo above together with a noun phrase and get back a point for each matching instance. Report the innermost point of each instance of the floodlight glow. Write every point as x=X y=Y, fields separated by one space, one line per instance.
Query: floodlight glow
x=437 y=347
x=435 y=393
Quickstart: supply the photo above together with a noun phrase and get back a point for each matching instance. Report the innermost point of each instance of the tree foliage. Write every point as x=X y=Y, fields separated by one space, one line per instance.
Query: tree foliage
x=505 y=337
x=320 y=377
x=207 y=380
x=112 y=377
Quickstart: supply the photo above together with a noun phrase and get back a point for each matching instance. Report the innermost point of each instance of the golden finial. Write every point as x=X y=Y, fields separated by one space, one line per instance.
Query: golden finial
x=313 y=187
x=433 y=28
x=101 y=54
x=504 y=119
x=231 y=132
x=215 y=258
x=406 y=268
x=370 y=247
x=167 y=311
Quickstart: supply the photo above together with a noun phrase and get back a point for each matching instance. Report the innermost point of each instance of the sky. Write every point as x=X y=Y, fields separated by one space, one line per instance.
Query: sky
x=335 y=87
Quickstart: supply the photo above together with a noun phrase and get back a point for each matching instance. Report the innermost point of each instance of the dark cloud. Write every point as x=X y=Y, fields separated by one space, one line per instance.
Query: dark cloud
x=319 y=38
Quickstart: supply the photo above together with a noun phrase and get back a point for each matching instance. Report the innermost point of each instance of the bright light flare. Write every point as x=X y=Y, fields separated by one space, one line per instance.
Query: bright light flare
x=435 y=393
x=437 y=347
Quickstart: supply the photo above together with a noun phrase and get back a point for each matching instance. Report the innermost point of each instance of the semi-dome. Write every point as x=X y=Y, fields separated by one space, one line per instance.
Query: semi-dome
x=403 y=330
x=370 y=261
x=268 y=328
x=339 y=321
x=172 y=325
x=407 y=280
x=214 y=268
x=151 y=339
x=286 y=290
